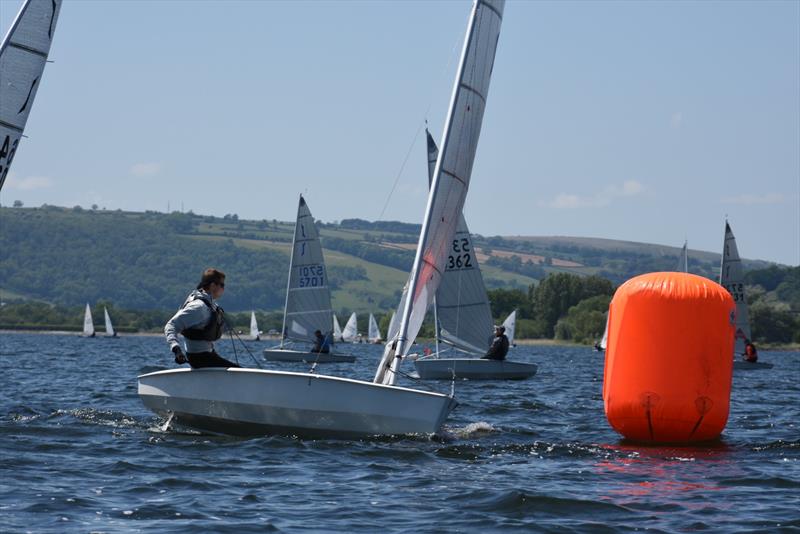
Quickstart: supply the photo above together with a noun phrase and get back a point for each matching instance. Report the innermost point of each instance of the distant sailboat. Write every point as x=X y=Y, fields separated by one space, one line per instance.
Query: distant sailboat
x=88 y=323
x=255 y=401
x=683 y=259
x=23 y=55
x=255 y=334
x=350 y=331
x=337 y=330
x=374 y=333
x=510 y=325
x=308 y=296
x=110 y=332
x=731 y=277
x=463 y=315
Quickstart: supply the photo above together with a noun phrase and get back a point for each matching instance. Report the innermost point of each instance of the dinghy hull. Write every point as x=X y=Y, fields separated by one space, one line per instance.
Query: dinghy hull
x=285 y=355
x=473 y=369
x=251 y=402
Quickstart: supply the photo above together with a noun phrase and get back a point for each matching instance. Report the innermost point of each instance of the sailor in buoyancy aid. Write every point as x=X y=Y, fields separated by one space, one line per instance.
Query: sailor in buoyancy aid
x=201 y=322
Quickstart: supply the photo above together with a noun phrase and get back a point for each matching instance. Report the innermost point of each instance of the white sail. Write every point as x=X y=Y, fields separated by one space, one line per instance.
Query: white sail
x=391 y=333
x=254 y=333
x=308 y=296
x=337 y=330
x=451 y=177
x=109 y=327
x=350 y=332
x=88 y=324
x=374 y=333
x=510 y=325
x=462 y=304
x=683 y=259
x=604 y=339
x=731 y=277
x=23 y=55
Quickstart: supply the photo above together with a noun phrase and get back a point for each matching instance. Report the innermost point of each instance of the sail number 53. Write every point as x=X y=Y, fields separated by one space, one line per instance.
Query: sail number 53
x=311 y=276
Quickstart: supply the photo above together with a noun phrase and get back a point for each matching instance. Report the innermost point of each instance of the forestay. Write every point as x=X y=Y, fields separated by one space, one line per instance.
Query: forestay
x=23 y=55
x=451 y=177
x=308 y=296
x=731 y=277
x=462 y=305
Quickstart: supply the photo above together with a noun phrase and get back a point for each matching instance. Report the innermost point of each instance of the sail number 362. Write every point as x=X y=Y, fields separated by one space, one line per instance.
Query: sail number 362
x=311 y=276
x=460 y=257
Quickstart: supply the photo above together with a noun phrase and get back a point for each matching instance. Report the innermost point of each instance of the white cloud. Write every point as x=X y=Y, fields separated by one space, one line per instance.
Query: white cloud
x=676 y=120
x=29 y=183
x=749 y=200
x=145 y=169
x=606 y=196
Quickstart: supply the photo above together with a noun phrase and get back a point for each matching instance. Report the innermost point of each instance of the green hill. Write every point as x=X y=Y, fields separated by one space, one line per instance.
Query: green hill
x=149 y=261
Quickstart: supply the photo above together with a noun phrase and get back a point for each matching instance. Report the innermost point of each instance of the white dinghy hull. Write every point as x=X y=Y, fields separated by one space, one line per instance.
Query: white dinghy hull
x=250 y=402
x=286 y=355
x=473 y=369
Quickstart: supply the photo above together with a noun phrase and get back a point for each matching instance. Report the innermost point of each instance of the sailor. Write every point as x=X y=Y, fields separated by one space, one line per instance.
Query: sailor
x=322 y=343
x=200 y=321
x=750 y=352
x=499 y=347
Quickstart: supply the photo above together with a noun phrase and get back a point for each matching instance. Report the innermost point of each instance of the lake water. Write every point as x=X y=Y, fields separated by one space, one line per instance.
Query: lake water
x=80 y=453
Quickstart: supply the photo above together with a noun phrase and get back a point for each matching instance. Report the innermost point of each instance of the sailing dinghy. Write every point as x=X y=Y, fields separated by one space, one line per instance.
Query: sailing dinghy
x=88 y=323
x=731 y=277
x=255 y=333
x=308 y=297
x=110 y=332
x=374 y=333
x=254 y=401
x=350 y=331
x=23 y=55
x=463 y=315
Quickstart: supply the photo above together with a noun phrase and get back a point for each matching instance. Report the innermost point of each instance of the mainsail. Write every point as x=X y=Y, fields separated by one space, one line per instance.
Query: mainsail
x=731 y=277
x=254 y=333
x=88 y=324
x=337 y=330
x=374 y=333
x=451 y=178
x=23 y=55
x=462 y=305
x=510 y=325
x=683 y=259
x=350 y=332
x=109 y=327
x=308 y=296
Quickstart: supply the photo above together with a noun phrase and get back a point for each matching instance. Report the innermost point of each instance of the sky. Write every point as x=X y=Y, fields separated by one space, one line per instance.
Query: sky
x=638 y=121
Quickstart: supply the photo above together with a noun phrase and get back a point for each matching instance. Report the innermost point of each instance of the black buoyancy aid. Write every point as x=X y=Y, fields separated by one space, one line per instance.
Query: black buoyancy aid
x=212 y=331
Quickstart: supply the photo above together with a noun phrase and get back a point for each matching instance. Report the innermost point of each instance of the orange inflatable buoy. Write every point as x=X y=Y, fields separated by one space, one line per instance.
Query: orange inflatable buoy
x=668 y=368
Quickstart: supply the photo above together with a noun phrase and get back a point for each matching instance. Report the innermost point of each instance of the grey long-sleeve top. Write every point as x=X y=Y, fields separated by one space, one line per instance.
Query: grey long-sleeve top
x=193 y=313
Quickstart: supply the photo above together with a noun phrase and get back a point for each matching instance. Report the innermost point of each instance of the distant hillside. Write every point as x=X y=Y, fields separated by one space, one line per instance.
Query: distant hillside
x=70 y=256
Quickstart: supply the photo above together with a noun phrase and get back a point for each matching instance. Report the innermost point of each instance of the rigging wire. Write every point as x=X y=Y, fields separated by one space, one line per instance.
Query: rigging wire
x=231 y=333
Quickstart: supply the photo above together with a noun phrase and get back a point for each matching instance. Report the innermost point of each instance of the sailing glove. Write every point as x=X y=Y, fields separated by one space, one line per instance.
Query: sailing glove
x=180 y=357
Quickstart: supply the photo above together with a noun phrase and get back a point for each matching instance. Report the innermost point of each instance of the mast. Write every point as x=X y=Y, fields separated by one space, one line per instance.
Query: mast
x=289 y=277
x=464 y=116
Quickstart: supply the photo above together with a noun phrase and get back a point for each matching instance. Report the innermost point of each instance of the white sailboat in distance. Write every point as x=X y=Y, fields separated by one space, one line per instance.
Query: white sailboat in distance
x=88 y=323
x=23 y=55
x=254 y=401
x=350 y=331
x=337 y=330
x=110 y=332
x=255 y=333
x=308 y=297
x=463 y=315
x=731 y=277
x=374 y=333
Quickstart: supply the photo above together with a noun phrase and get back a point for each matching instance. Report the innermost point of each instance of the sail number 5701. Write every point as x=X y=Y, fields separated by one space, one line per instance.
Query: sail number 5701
x=311 y=276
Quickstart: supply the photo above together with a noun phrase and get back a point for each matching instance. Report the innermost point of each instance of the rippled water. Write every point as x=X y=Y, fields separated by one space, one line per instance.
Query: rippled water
x=79 y=453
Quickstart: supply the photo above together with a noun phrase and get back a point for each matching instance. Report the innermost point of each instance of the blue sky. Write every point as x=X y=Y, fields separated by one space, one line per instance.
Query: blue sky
x=641 y=121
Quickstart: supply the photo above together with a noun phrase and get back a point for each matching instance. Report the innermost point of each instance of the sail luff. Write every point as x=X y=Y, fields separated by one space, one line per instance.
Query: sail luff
x=453 y=169
x=23 y=56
